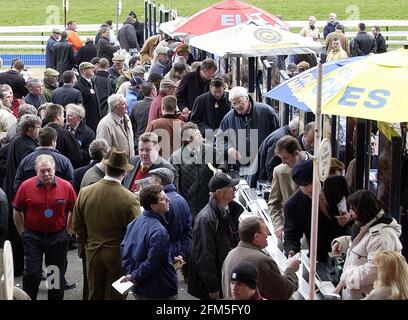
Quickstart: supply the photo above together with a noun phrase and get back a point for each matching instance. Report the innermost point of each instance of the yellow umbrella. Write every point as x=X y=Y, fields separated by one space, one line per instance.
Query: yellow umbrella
x=372 y=88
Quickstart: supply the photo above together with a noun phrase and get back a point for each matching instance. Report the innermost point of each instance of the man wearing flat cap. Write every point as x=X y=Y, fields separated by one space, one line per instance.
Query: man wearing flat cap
x=178 y=217
x=162 y=59
x=90 y=94
x=101 y=215
x=167 y=88
x=215 y=234
x=50 y=83
x=298 y=215
x=118 y=65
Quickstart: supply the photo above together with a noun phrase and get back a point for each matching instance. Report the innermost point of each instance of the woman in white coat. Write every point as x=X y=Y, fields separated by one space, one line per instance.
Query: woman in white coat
x=373 y=231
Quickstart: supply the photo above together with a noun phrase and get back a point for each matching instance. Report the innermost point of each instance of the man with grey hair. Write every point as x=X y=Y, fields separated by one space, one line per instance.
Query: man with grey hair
x=267 y=159
x=245 y=127
x=35 y=96
x=66 y=142
x=116 y=127
x=97 y=150
x=43 y=226
x=82 y=133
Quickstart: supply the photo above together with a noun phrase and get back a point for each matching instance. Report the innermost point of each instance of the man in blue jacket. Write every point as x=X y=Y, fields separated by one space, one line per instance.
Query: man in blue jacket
x=179 y=216
x=145 y=249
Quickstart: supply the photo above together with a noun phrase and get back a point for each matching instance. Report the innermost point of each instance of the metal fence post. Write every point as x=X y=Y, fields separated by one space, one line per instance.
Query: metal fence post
x=155 y=18
x=150 y=20
x=251 y=75
x=146 y=30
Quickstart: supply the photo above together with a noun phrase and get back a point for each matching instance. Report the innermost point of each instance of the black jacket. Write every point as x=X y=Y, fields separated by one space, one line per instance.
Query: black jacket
x=160 y=163
x=363 y=44
x=190 y=87
x=139 y=116
x=85 y=53
x=91 y=102
x=67 y=145
x=261 y=117
x=20 y=147
x=15 y=81
x=194 y=174
x=105 y=49
x=139 y=26
x=65 y=95
x=84 y=136
x=104 y=86
x=298 y=214
x=214 y=235
x=267 y=159
x=207 y=114
x=63 y=58
x=79 y=174
x=380 y=43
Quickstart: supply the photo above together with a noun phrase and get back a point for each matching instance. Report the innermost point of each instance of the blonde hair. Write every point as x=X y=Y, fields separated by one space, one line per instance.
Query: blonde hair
x=392 y=273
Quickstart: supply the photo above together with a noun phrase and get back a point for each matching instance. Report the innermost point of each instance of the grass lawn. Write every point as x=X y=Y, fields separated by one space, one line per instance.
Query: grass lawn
x=39 y=12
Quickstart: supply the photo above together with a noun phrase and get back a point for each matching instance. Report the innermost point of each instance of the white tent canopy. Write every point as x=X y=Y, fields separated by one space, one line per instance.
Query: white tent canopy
x=253 y=40
x=169 y=27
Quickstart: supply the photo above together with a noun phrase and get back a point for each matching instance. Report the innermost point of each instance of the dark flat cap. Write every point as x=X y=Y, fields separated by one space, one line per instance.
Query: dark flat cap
x=165 y=175
x=302 y=172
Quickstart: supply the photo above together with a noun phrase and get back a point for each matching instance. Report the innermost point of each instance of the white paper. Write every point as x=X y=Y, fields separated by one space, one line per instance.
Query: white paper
x=122 y=287
x=342 y=206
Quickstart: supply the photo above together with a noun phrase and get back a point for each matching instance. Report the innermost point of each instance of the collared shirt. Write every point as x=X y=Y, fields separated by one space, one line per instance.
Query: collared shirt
x=117 y=118
x=45 y=208
x=112 y=179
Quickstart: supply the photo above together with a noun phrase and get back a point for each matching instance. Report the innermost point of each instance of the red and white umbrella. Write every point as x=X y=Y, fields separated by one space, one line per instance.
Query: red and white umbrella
x=222 y=15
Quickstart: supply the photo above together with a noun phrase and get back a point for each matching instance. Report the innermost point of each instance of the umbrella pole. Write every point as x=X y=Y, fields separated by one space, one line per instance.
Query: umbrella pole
x=316 y=186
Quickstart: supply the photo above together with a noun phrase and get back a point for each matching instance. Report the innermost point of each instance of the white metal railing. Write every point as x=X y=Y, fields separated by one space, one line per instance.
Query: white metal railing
x=10 y=36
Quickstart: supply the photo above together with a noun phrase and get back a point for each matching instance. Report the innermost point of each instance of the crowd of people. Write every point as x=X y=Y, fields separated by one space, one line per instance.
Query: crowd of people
x=138 y=161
